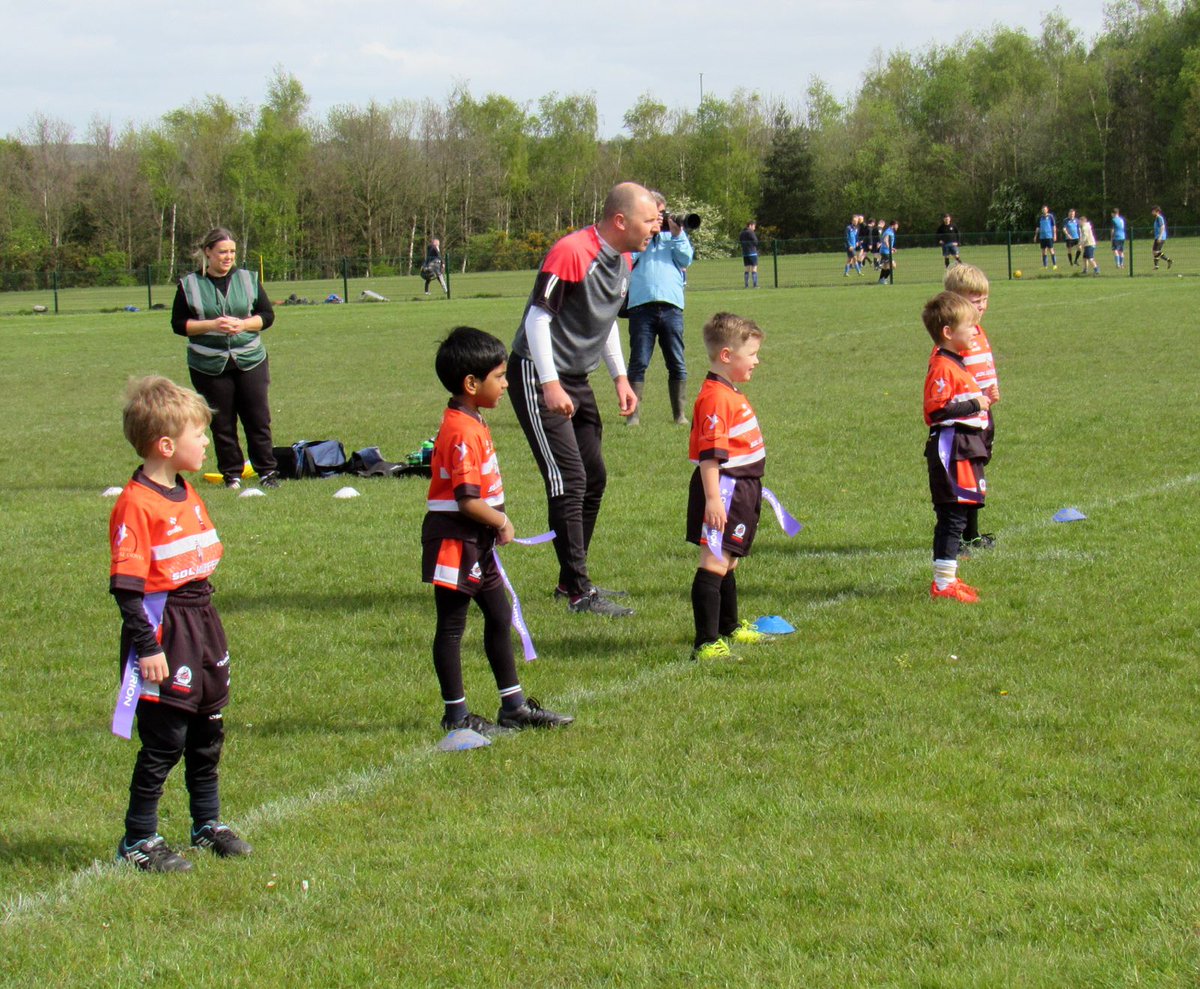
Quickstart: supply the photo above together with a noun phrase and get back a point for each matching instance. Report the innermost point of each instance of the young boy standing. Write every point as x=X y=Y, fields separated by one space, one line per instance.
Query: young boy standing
x=972 y=284
x=725 y=495
x=956 y=413
x=1160 y=238
x=175 y=659
x=464 y=520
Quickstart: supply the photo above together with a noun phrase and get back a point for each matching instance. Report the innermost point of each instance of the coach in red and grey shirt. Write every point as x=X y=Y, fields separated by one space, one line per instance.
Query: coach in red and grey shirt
x=569 y=328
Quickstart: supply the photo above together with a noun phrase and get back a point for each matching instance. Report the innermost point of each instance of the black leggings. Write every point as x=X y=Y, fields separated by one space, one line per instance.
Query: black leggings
x=452 y=607
x=236 y=394
x=948 y=531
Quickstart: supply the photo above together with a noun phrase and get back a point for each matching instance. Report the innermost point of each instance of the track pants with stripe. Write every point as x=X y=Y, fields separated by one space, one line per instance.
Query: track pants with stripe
x=568 y=454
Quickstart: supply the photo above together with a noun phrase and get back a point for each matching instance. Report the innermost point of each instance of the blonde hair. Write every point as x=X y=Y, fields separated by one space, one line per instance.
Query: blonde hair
x=965 y=279
x=727 y=330
x=947 y=309
x=156 y=407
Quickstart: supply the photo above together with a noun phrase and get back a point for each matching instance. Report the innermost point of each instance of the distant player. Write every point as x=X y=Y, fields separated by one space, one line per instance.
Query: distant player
x=726 y=445
x=947 y=235
x=749 y=242
x=1047 y=234
x=887 y=253
x=173 y=649
x=1160 y=237
x=852 y=247
x=956 y=414
x=464 y=520
x=1118 y=238
x=1087 y=238
x=1071 y=237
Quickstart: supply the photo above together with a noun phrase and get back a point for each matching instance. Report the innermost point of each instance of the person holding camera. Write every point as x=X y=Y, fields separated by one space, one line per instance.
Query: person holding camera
x=656 y=309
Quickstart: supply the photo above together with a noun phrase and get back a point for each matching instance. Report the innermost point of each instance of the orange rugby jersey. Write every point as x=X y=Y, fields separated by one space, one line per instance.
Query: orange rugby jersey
x=159 y=544
x=725 y=429
x=947 y=382
x=979 y=360
x=463 y=463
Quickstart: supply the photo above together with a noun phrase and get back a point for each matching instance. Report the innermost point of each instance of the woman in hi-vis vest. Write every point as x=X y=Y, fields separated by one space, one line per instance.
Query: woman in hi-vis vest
x=223 y=311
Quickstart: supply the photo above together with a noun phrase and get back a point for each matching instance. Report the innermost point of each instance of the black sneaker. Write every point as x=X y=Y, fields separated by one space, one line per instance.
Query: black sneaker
x=476 y=723
x=531 y=714
x=985 y=540
x=152 y=854
x=604 y=592
x=233 y=483
x=598 y=604
x=270 y=479
x=221 y=839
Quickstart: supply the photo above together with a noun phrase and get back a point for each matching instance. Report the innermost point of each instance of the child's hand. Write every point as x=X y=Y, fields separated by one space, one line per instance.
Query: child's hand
x=985 y=403
x=506 y=533
x=154 y=668
x=993 y=393
x=714 y=514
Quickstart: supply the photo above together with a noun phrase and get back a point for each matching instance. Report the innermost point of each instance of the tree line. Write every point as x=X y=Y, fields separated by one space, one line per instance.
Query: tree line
x=987 y=127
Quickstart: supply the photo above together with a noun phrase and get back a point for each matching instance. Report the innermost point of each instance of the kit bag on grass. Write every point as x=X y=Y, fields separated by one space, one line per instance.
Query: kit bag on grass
x=311 y=458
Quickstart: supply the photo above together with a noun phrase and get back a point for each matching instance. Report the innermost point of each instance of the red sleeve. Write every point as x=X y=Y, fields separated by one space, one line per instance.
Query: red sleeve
x=129 y=539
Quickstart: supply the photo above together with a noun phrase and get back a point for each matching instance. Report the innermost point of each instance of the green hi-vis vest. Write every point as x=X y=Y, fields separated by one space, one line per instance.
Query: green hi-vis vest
x=209 y=352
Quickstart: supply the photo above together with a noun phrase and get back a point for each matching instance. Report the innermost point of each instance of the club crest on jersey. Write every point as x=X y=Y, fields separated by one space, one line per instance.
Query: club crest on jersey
x=476 y=574
x=175 y=526
x=183 y=679
x=713 y=424
x=940 y=384
x=739 y=532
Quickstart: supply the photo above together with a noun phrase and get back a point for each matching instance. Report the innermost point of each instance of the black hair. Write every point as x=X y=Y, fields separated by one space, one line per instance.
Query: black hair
x=465 y=351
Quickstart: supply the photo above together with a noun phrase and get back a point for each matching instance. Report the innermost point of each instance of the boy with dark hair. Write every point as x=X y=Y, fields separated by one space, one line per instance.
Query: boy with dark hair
x=464 y=520
x=956 y=414
x=725 y=495
x=947 y=235
x=972 y=284
x=175 y=659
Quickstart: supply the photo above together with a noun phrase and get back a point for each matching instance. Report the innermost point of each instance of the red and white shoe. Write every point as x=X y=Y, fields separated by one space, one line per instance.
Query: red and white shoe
x=957 y=591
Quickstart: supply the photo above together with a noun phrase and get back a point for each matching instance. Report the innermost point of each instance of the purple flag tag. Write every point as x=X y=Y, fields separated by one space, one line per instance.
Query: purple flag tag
x=713 y=536
x=131 y=681
x=518 y=616
x=788 y=524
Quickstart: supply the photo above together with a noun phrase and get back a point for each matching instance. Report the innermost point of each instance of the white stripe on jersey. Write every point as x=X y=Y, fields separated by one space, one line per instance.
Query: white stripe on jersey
x=188 y=544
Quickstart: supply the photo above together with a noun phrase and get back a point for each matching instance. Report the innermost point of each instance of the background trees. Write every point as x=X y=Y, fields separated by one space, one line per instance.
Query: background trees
x=987 y=127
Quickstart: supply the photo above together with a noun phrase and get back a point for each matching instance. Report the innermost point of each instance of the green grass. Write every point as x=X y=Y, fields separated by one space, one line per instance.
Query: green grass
x=903 y=793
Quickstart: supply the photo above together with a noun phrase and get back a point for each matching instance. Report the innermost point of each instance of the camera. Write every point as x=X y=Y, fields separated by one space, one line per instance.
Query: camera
x=689 y=221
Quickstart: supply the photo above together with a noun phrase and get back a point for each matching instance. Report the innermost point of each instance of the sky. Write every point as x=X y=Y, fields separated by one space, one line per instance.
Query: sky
x=129 y=61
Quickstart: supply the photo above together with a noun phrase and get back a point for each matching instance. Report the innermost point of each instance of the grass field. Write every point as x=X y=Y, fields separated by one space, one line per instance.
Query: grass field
x=904 y=793
x=916 y=265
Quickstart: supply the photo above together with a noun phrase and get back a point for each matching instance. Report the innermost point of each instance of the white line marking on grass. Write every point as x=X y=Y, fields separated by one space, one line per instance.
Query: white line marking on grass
x=372 y=779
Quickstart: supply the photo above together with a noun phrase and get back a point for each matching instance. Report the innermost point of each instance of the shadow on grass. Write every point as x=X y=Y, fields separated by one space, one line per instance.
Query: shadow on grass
x=45 y=849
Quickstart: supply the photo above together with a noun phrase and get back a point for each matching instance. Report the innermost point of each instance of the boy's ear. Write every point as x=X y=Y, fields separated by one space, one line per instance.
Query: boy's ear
x=725 y=355
x=163 y=447
x=470 y=385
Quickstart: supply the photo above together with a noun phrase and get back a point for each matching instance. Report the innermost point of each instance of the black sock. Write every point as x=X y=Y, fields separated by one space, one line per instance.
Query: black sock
x=728 y=615
x=706 y=605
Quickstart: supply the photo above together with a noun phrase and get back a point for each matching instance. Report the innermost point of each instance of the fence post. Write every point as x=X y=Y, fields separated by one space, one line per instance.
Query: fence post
x=149 y=291
x=54 y=279
x=446 y=272
x=775 y=257
x=1010 y=268
x=1129 y=251
x=345 y=283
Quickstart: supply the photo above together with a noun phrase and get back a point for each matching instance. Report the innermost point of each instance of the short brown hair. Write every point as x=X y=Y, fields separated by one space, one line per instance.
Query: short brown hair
x=157 y=407
x=965 y=279
x=727 y=330
x=946 y=309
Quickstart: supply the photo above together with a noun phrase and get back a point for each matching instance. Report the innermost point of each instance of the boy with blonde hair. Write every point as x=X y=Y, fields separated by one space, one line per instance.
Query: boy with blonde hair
x=970 y=282
x=175 y=660
x=956 y=414
x=725 y=495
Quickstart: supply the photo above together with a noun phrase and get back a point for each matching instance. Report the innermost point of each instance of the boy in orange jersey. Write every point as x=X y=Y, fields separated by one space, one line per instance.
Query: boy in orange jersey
x=175 y=659
x=971 y=283
x=464 y=521
x=956 y=414
x=725 y=495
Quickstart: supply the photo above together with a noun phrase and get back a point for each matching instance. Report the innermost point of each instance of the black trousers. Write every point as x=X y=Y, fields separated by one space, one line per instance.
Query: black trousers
x=948 y=530
x=452 y=608
x=236 y=394
x=168 y=734
x=568 y=453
